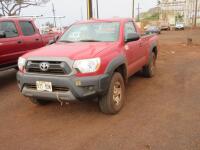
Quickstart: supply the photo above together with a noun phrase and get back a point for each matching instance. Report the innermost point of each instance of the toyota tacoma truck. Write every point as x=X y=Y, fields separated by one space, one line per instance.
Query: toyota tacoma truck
x=92 y=60
x=18 y=36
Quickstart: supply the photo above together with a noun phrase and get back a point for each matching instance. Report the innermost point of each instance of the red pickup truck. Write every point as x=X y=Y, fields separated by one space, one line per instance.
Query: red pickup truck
x=18 y=36
x=92 y=59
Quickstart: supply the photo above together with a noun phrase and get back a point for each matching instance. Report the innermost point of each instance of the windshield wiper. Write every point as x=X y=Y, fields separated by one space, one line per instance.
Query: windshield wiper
x=65 y=41
x=89 y=41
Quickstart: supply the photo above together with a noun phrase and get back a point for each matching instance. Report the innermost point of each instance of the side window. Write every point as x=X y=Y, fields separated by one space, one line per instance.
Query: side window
x=9 y=28
x=129 y=28
x=27 y=28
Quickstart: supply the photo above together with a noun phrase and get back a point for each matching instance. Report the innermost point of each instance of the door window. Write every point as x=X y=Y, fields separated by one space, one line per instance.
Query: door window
x=27 y=28
x=9 y=28
x=129 y=28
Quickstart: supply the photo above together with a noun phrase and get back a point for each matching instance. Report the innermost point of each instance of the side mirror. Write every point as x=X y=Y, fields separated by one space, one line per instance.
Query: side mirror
x=54 y=40
x=56 y=37
x=2 y=34
x=132 y=37
x=51 y=42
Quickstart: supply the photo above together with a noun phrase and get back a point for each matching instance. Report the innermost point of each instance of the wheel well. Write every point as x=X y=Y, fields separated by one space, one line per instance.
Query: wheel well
x=122 y=70
x=155 y=50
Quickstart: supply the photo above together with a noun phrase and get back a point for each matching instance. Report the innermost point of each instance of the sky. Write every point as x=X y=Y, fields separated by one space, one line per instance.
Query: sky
x=76 y=10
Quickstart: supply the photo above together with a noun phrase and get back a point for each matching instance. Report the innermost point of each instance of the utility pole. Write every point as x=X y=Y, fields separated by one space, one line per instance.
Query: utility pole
x=54 y=15
x=138 y=11
x=81 y=13
x=97 y=2
x=89 y=9
x=133 y=11
x=195 y=13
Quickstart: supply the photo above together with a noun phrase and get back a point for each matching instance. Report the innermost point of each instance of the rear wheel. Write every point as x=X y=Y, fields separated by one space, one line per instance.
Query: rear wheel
x=113 y=101
x=38 y=101
x=149 y=70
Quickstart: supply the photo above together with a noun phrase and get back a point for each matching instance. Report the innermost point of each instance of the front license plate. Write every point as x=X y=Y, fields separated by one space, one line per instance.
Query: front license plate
x=44 y=86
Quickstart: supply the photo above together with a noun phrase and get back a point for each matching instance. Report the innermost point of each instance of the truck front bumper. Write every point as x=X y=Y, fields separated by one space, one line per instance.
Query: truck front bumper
x=67 y=88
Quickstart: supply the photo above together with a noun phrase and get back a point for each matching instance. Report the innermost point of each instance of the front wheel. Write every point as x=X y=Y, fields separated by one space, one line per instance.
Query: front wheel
x=113 y=101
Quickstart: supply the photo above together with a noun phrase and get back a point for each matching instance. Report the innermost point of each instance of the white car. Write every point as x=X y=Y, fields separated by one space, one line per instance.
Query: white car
x=180 y=26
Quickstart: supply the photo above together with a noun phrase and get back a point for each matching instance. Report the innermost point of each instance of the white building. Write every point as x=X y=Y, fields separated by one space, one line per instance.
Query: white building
x=190 y=11
x=178 y=10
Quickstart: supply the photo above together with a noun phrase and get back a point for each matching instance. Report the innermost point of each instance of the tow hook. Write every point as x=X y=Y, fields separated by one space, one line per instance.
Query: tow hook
x=60 y=100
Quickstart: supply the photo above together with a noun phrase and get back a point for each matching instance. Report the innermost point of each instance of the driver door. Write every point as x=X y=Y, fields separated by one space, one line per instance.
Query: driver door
x=11 y=44
x=132 y=49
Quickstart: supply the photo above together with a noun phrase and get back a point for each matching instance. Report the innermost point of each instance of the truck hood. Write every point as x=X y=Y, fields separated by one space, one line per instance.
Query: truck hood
x=72 y=50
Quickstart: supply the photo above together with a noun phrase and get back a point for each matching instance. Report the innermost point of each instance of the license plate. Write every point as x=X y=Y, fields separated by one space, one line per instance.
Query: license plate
x=44 y=86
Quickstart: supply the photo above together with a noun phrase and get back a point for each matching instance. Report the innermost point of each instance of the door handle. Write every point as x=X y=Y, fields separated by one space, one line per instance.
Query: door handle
x=37 y=39
x=140 y=44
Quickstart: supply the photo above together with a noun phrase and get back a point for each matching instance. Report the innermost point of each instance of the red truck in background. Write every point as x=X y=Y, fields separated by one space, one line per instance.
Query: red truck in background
x=17 y=37
x=92 y=59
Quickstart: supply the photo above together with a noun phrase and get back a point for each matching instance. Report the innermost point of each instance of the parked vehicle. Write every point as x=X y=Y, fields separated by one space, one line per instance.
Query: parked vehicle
x=165 y=26
x=93 y=59
x=18 y=36
x=179 y=26
x=153 y=29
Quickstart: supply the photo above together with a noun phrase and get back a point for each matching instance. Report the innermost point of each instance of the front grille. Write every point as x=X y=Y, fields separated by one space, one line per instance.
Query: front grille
x=55 y=88
x=55 y=67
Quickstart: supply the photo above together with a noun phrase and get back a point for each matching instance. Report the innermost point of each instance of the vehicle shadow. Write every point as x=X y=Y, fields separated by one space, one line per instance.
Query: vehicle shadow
x=7 y=77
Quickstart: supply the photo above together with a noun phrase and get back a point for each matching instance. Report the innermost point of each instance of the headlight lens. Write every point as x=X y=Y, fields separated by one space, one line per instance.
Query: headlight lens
x=21 y=63
x=87 y=65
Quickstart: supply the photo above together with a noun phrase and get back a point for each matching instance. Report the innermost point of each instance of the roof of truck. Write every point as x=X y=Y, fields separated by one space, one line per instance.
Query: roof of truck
x=15 y=19
x=107 y=20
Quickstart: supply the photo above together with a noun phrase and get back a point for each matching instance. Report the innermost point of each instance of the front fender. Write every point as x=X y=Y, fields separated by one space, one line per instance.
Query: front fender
x=115 y=63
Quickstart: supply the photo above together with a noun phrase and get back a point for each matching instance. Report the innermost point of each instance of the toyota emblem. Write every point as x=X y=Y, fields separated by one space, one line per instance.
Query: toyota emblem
x=44 y=66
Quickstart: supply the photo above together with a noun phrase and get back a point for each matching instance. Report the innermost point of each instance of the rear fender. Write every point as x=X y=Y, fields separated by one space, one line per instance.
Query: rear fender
x=153 y=45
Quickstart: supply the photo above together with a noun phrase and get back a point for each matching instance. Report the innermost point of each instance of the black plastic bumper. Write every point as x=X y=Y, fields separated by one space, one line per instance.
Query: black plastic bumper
x=79 y=88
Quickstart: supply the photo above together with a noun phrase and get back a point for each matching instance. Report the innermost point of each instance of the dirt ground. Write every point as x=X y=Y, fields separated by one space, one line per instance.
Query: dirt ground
x=162 y=113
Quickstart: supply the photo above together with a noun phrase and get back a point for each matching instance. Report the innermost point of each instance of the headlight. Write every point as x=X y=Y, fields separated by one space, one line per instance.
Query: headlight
x=21 y=63
x=87 y=65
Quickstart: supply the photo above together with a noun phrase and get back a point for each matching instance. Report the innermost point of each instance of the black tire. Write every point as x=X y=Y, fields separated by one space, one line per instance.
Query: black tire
x=107 y=103
x=38 y=101
x=16 y=68
x=149 y=70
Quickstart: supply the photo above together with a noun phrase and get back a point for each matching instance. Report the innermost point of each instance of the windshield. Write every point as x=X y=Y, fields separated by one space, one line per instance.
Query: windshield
x=92 y=32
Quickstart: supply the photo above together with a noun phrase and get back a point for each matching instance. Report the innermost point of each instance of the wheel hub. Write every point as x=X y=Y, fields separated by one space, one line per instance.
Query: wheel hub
x=117 y=93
